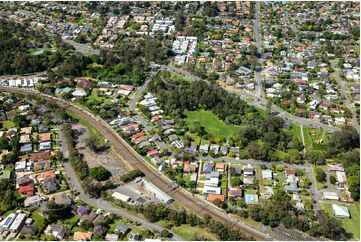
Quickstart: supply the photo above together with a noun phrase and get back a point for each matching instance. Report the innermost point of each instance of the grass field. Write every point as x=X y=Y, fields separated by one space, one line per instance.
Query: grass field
x=188 y=232
x=211 y=123
x=310 y=139
x=351 y=225
x=8 y=124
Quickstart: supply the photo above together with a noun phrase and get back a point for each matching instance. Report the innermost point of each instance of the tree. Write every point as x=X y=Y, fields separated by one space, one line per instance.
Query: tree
x=99 y=173
x=333 y=179
x=320 y=175
x=345 y=139
x=165 y=233
x=236 y=181
x=329 y=227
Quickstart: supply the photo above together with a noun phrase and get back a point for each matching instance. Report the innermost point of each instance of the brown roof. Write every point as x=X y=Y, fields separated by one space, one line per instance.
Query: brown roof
x=82 y=235
x=40 y=156
x=45 y=137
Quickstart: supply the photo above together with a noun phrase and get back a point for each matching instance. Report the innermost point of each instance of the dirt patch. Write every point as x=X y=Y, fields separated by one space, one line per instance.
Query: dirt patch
x=108 y=159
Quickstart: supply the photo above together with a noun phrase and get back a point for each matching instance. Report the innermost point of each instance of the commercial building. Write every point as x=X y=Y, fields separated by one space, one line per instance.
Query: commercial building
x=157 y=192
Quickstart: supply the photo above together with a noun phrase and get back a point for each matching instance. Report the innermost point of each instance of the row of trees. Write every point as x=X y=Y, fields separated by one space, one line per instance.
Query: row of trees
x=155 y=212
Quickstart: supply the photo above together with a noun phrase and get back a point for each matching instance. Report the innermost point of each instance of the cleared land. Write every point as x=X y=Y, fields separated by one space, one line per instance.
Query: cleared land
x=211 y=123
x=188 y=233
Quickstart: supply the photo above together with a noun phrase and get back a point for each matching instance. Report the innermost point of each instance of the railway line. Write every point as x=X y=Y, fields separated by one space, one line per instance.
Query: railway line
x=135 y=161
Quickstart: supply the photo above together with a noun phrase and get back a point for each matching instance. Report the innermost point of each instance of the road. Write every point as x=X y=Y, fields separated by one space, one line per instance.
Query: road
x=347 y=100
x=101 y=203
x=134 y=160
x=257 y=39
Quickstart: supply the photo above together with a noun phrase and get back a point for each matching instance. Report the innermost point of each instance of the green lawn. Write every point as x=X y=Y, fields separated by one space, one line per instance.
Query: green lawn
x=188 y=232
x=351 y=225
x=39 y=221
x=295 y=131
x=318 y=135
x=7 y=124
x=94 y=98
x=211 y=123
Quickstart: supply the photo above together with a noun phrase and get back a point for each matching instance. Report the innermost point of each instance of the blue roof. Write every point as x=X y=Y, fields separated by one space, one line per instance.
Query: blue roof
x=250 y=198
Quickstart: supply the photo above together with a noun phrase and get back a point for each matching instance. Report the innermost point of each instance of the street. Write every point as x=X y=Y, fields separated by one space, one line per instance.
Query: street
x=348 y=102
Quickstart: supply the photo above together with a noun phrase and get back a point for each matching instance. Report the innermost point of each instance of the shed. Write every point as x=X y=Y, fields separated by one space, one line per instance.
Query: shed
x=340 y=211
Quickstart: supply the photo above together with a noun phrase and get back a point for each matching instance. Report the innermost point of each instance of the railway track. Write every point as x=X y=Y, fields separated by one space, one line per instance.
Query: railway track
x=135 y=161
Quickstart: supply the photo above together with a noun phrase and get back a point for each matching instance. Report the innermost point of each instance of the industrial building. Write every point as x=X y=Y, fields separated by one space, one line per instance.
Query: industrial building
x=157 y=192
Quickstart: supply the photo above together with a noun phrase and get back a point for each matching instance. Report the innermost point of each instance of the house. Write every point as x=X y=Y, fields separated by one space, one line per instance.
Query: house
x=51 y=185
x=235 y=192
x=63 y=199
x=111 y=237
x=189 y=167
x=45 y=137
x=250 y=199
x=340 y=211
x=46 y=175
x=32 y=201
x=45 y=145
x=213 y=190
x=292 y=187
x=221 y=167
x=243 y=71
x=79 y=93
x=82 y=236
x=212 y=197
x=224 y=150
x=152 y=153
x=204 y=148
x=266 y=192
x=29 y=230
x=248 y=180
x=214 y=149
x=341 y=178
x=290 y=171
x=330 y=196
x=267 y=174
x=121 y=229
x=248 y=171
x=207 y=167
x=340 y=121
x=26 y=148
x=27 y=190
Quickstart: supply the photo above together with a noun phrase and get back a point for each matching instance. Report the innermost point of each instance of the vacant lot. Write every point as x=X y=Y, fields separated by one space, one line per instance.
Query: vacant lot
x=187 y=232
x=212 y=124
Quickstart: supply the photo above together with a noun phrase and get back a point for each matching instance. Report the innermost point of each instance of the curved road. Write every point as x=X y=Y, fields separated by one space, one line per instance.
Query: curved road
x=134 y=160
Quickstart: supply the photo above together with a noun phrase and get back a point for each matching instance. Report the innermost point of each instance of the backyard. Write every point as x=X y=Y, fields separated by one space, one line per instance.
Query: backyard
x=351 y=225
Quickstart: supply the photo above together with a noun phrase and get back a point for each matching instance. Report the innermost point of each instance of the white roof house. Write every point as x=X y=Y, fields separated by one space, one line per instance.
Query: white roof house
x=267 y=174
x=79 y=93
x=340 y=211
x=120 y=196
x=330 y=196
x=213 y=190
x=18 y=222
